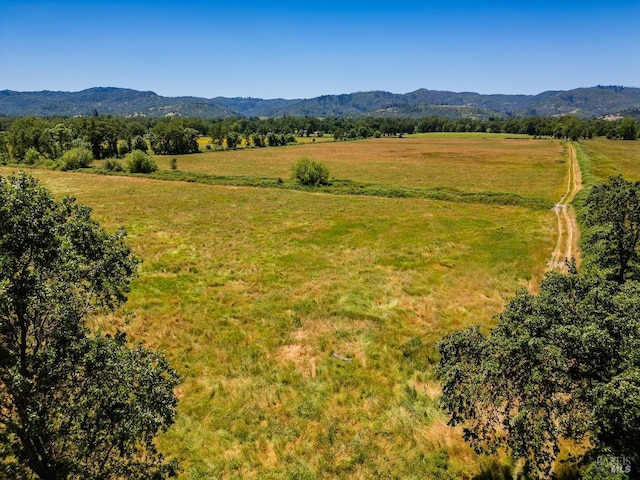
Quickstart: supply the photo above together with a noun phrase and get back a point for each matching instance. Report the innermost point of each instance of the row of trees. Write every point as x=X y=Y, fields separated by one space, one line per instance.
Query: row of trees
x=31 y=139
x=564 y=363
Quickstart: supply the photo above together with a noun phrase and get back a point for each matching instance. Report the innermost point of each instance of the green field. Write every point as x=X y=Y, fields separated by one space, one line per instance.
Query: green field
x=251 y=292
x=610 y=157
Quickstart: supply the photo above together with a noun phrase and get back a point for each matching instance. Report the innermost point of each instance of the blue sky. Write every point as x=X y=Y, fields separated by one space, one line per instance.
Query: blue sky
x=309 y=48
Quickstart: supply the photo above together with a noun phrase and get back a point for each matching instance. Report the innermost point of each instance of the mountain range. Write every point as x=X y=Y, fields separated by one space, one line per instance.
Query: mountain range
x=590 y=102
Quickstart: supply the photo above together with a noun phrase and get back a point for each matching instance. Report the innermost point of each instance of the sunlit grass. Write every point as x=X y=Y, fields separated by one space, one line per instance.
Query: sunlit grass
x=469 y=162
x=613 y=157
x=250 y=291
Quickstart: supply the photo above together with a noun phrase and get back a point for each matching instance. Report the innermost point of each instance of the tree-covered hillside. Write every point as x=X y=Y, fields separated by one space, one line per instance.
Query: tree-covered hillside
x=582 y=102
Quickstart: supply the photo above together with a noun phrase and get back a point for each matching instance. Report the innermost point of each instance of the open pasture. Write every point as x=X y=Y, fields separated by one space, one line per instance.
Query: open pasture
x=469 y=162
x=613 y=157
x=304 y=325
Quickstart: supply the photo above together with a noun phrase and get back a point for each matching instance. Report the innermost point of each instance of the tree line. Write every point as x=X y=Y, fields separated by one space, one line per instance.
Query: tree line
x=33 y=140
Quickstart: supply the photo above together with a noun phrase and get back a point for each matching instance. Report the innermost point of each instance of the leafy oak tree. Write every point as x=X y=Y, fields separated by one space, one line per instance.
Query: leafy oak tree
x=561 y=364
x=564 y=363
x=74 y=404
x=613 y=239
x=628 y=129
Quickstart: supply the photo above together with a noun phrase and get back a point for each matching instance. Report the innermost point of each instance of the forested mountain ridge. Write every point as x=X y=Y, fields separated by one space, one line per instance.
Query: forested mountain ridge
x=582 y=102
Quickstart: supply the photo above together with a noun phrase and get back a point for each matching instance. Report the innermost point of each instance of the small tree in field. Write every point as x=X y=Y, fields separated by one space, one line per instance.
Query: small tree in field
x=78 y=157
x=139 y=162
x=309 y=172
x=74 y=404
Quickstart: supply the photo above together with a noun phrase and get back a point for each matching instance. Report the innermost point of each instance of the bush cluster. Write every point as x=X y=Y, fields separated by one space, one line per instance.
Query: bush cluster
x=78 y=157
x=310 y=172
x=139 y=162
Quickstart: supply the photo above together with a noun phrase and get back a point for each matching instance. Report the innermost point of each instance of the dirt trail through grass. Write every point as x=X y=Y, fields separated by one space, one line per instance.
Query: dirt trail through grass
x=567 y=243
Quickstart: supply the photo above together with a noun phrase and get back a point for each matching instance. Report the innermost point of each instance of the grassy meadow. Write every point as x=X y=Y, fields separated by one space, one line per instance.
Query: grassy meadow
x=469 y=162
x=613 y=157
x=303 y=324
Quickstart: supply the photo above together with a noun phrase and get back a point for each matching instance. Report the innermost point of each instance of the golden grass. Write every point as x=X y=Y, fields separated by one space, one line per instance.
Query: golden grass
x=250 y=291
x=249 y=298
x=473 y=163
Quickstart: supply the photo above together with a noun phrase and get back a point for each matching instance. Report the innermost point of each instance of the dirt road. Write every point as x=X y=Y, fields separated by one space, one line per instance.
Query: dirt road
x=567 y=242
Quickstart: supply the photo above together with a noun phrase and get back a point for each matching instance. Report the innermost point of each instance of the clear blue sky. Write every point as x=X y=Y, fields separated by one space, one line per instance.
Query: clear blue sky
x=307 y=48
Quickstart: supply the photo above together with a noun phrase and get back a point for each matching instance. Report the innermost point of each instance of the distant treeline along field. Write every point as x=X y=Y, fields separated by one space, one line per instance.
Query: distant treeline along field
x=34 y=140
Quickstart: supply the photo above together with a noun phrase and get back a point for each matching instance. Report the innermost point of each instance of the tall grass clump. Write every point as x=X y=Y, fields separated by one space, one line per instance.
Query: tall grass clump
x=139 y=162
x=310 y=172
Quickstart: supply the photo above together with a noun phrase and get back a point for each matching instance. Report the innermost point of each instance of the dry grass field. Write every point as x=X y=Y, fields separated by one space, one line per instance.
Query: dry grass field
x=469 y=162
x=304 y=325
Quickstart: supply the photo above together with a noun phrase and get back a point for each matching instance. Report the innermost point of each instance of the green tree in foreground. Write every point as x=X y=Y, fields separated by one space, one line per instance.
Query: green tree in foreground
x=613 y=215
x=74 y=404
x=564 y=363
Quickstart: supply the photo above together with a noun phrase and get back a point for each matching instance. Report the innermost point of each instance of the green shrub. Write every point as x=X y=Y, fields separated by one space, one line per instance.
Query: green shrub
x=139 y=162
x=78 y=157
x=111 y=165
x=309 y=172
x=32 y=156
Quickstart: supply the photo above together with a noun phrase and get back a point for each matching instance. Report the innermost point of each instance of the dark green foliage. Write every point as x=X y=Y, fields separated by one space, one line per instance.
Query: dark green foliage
x=57 y=140
x=628 y=129
x=173 y=138
x=32 y=156
x=78 y=157
x=139 y=143
x=24 y=134
x=564 y=363
x=613 y=214
x=309 y=172
x=560 y=364
x=4 y=149
x=74 y=404
x=123 y=149
x=139 y=162
x=232 y=140
x=257 y=140
x=102 y=133
x=112 y=166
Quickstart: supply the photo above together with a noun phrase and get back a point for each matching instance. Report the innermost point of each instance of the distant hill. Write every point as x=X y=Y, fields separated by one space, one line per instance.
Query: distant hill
x=109 y=101
x=583 y=102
